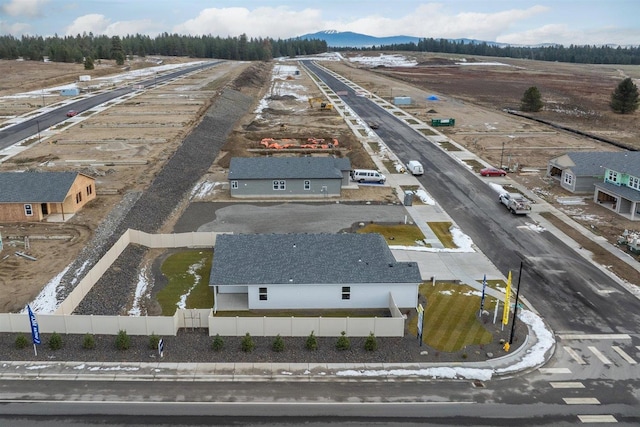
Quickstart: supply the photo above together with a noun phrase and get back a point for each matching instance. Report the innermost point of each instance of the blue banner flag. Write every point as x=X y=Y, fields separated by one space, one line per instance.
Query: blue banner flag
x=35 y=332
x=484 y=285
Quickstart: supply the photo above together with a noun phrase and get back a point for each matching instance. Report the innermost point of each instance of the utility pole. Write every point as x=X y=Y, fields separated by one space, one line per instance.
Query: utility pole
x=502 y=154
x=515 y=308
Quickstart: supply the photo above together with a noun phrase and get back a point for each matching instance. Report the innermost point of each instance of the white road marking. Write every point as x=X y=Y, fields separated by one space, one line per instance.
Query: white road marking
x=574 y=355
x=581 y=401
x=566 y=384
x=594 y=336
x=624 y=355
x=554 y=370
x=597 y=418
x=600 y=356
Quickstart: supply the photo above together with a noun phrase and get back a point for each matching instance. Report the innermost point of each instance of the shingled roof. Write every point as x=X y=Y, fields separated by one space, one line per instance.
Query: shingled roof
x=247 y=259
x=287 y=167
x=35 y=187
x=594 y=163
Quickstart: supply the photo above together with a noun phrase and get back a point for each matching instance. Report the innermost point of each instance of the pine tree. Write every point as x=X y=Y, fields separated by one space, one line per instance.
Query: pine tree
x=531 y=100
x=625 y=98
x=88 y=63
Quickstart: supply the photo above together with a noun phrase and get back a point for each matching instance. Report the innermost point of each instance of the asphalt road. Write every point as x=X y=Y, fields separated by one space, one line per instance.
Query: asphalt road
x=570 y=293
x=28 y=128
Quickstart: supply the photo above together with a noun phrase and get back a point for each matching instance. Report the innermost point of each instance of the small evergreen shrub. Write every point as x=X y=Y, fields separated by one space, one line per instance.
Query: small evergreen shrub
x=218 y=343
x=22 y=341
x=312 y=342
x=371 y=344
x=55 y=341
x=89 y=342
x=278 y=344
x=247 y=343
x=123 y=341
x=343 y=342
x=153 y=341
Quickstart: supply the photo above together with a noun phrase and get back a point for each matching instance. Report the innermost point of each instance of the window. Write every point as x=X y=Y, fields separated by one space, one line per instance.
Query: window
x=612 y=176
x=78 y=197
x=262 y=293
x=307 y=185
x=346 y=292
x=89 y=190
x=279 y=185
x=28 y=210
x=568 y=179
x=634 y=182
x=234 y=185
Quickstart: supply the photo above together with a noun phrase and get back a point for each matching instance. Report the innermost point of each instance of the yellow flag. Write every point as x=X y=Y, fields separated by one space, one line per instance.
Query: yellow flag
x=507 y=301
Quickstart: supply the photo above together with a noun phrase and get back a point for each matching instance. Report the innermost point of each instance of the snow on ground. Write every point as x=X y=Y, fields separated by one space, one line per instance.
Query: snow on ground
x=47 y=300
x=385 y=60
x=283 y=79
x=141 y=290
x=461 y=240
x=192 y=270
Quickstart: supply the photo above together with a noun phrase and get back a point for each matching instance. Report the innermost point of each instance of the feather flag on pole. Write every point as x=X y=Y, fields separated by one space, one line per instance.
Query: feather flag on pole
x=35 y=331
x=507 y=301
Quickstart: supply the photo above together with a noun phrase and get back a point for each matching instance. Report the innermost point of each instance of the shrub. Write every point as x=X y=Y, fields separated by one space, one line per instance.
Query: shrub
x=343 y=342
x=123 y=341
x=22 y=341
x=217 y=343
x=55 y=341
x=247 y=343
x=153 y=341
x=89 y=342
x=278 y=344
x=371 y=344
x=312 y=342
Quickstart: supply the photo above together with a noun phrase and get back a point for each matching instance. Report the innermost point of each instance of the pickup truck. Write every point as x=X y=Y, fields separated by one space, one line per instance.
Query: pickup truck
x=516 y=203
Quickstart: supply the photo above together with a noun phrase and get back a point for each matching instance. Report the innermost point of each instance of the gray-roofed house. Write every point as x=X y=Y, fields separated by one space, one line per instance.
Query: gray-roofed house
x=288 y=177
x=34 y=196
x=310 y=271
x=612 y=177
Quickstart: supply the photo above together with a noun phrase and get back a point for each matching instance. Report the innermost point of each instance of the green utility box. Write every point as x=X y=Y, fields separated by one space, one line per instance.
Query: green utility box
x=443 y=122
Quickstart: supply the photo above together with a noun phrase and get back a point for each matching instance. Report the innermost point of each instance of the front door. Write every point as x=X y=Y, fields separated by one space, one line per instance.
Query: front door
x=45 y=208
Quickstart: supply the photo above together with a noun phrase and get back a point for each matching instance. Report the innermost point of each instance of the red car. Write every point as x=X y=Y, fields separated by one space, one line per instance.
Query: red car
x=492 y=172
x=72 y=113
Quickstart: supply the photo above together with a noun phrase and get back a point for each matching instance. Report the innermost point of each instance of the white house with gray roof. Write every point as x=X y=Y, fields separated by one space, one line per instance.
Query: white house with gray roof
x=35 y=196
x=612 y=177
x=310 y=271
x=288 y=177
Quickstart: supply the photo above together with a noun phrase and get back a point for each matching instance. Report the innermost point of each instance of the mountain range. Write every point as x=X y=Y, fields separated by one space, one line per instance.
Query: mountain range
x=357 y=40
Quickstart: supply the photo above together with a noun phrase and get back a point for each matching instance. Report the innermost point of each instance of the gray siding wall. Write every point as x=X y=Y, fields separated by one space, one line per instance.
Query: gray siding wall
x=293 y=188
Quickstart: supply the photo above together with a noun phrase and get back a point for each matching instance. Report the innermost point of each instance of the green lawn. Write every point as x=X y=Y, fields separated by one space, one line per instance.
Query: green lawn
x=188 y=273
x=451 y=317
x=396 y=234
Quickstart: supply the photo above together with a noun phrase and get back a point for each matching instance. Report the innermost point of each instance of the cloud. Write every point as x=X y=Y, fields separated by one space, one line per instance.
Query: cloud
x=431 y=20
x=15 y=29
x=274 y=22
x=99 y=24
x=30 y=8
x=561 y=34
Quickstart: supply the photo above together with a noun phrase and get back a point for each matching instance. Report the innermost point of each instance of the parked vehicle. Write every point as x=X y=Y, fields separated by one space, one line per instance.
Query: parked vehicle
x=516 y=203
x=367 y=175
x=72 y=113
x=374 y=125
x=415 y=167
x=492 y=172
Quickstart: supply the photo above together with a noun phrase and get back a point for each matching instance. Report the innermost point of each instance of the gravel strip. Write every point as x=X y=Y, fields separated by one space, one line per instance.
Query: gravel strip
x=112 y=294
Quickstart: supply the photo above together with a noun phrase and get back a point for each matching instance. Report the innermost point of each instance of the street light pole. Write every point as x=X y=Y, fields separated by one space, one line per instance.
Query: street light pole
x=515 y=308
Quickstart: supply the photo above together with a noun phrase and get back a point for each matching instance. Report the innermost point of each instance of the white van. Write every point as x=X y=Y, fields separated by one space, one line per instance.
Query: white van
x=367 y=175
x=415 y=167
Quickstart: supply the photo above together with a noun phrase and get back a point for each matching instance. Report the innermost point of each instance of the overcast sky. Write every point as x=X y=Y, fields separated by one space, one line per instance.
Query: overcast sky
x=508 y=21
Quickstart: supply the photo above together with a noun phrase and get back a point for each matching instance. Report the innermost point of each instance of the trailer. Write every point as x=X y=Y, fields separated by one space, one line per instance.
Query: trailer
x=443 y=122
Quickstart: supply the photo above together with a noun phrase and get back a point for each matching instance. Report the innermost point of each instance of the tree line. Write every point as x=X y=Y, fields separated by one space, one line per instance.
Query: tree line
x=80 y=47
x=586 y=54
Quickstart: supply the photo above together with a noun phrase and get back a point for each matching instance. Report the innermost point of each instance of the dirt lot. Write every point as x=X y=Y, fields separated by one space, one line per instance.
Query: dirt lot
x=124 y=146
